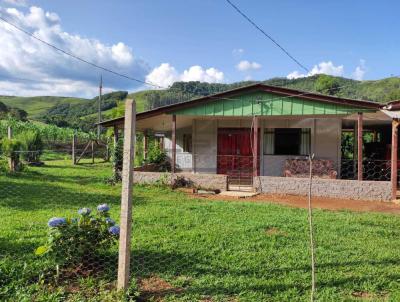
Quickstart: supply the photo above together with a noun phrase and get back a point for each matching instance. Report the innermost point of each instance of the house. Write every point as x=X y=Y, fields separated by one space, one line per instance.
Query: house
x=260 y=136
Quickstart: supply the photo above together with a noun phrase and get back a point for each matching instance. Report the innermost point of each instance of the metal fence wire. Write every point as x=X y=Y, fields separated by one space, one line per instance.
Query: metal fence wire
x=59 y=229
x=59 y=234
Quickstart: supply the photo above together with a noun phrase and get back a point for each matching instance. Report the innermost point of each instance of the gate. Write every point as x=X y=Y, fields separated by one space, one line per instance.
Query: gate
x=235 y=156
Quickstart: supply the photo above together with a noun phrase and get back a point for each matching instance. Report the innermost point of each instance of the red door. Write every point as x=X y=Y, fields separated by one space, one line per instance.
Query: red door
x=235 y=154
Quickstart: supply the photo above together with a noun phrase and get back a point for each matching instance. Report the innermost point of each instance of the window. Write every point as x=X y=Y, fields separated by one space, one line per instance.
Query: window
x=187 y=143
x=287 y=141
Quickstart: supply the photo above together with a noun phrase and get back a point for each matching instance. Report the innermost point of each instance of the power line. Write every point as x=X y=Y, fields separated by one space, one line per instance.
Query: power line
x=77 y=57
x=88 y=62
x=267 y=35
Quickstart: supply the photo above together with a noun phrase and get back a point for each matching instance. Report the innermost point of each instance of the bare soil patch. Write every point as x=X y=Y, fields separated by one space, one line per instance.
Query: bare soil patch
x=369 y=296
x=275 y=231
x=334 y=204
x=154 y=289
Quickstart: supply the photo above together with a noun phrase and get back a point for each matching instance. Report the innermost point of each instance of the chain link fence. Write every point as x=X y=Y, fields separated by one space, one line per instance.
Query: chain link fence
x=60 y=225
x=59 y=229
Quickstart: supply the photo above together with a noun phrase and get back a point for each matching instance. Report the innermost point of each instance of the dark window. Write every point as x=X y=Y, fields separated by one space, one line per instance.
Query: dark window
x=187 y=143
x=287 y=141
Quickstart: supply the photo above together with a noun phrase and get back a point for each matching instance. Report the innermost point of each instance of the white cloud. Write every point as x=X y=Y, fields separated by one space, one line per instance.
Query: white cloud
x=360 y=71
x=51 y=72
x=295 y=75
x=237 y=52
x=246 y=65
x=16 y=2
x=322 y=68
x=198 y=73
x=327 y=68
x=165 y=75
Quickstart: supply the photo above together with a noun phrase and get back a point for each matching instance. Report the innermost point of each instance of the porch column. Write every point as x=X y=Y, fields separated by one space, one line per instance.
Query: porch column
x=359 y=146
x=255 y=146
x=145 y=145
x=173 y=143
x=393 y=173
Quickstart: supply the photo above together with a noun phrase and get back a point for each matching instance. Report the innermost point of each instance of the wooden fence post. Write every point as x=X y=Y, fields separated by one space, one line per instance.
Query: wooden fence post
x=145 y=145
x=92 y=151
x=11 y=160
x=73 y=149
x=126 y=197
x=116 y=139
x=9 y=132
x=107 y=149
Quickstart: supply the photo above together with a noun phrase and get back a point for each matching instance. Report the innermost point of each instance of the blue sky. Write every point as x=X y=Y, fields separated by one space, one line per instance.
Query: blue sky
x=160 y=41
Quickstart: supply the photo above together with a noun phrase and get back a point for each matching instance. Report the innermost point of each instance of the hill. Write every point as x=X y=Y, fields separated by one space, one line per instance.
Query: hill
x=381 y=91
x=37 y=106
x=81 y=113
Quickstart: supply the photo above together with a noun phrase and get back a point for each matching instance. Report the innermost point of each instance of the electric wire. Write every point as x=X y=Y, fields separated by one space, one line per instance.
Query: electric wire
x=267 y=35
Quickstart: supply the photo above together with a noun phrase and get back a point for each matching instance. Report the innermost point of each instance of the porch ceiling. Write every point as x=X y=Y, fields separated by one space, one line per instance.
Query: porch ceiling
x=370 y=118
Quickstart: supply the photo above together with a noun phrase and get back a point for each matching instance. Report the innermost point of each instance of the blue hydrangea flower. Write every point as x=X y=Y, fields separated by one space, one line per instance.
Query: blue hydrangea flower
x=109 y=221
x=84 y=211
x=56 y=222
x=103 y=208
x=114 y=230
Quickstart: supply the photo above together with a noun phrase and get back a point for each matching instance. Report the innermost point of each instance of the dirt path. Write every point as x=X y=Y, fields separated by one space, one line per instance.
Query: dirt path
x=333 y=204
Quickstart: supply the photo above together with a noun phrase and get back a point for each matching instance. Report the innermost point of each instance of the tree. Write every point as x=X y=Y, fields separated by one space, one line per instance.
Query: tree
x=18 y=114
x=327 y=85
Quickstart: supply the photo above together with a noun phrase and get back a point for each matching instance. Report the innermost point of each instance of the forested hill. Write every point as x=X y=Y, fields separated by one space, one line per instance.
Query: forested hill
x=382 y=91
x=81 y=113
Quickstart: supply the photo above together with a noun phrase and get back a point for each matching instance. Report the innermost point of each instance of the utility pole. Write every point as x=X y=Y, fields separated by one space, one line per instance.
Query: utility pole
x=99 y=113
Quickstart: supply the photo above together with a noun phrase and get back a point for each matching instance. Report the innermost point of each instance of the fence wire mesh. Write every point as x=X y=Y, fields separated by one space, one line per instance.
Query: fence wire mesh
x=59 y=235
x=59 y=229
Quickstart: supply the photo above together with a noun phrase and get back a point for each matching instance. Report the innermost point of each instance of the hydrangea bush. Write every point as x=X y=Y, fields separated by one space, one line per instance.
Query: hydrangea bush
x=80 y=241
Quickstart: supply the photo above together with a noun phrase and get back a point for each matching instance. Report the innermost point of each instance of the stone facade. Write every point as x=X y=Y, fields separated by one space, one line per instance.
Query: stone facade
x=204 y=181
x=337 y=188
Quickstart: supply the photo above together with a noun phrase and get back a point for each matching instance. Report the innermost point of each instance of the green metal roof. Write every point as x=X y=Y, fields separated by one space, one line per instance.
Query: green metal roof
x=268 y=104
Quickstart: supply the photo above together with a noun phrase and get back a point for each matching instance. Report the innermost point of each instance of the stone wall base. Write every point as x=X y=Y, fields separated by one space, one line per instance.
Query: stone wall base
x=334 y=188
x=204 y=181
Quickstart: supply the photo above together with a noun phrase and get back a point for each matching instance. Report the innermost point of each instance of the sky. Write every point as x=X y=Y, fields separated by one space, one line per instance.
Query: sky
x=161 y=42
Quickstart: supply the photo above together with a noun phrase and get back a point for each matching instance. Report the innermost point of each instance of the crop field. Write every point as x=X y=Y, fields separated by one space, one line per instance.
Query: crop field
x=188 y=249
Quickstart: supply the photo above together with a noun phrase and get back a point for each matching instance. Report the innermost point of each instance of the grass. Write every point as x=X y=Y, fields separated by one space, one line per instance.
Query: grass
x=187 y=249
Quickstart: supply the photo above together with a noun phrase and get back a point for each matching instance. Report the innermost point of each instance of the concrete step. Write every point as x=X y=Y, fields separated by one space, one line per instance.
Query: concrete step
x=240 y=188
x=238 y=194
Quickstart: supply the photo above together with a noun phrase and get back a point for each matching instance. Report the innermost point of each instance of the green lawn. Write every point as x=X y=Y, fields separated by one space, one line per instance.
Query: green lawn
x=196 y=250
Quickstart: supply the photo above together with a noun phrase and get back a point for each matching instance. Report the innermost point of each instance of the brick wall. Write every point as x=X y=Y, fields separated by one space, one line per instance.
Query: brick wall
x=335 y=188
x=205 y=181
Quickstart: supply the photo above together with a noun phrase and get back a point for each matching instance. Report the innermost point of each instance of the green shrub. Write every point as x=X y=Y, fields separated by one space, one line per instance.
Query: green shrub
x=117 y=157
x=80 y=242
x=155 y=155
x=10 y=148
x=32 y=145
x=158 y=157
